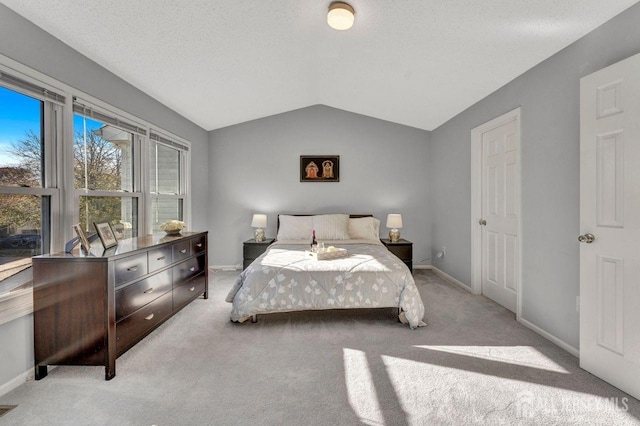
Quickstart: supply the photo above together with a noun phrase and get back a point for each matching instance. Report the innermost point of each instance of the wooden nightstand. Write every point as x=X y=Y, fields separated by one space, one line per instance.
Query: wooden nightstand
x=252 y=249
x=403 y=249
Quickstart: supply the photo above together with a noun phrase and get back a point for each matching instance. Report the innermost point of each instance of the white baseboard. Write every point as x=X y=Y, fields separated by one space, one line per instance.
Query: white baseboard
x=564 y=345
x=450 y=278
x=225 y=268
x=421 y=266
x=16 y=381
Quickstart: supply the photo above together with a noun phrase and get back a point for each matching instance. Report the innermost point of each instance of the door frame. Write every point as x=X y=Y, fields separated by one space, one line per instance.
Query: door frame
x=476 y=201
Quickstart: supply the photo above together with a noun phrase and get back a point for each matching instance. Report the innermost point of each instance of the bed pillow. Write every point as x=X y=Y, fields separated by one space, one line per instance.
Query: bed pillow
x=367 y=228
x=295 y=227
x=331 y=226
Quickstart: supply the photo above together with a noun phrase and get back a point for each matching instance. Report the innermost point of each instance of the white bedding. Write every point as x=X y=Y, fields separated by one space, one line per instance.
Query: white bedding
x=286 y=279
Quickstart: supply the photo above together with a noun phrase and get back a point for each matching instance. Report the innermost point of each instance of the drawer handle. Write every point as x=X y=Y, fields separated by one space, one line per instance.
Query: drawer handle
x=149 y=290
x=183 y=251
x=149 y=317
x=133 y=268
x=193 y=268
x=199 y=245
x=161 y=258
x=192 y=288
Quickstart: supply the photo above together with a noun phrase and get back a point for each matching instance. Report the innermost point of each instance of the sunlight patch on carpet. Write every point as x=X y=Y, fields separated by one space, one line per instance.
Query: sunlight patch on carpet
x=361 y=388
x=525 y=356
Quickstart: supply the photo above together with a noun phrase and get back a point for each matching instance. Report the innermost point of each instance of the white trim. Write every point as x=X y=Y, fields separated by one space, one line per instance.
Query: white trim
x=564 y=345
x=17 y=381
x=422 y=267
x=15 y=304
x=476 y=200
x=229 y=268
x=449 y=278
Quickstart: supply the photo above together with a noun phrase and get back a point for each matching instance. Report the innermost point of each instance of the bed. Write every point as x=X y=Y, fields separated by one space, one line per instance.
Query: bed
x=287 y=278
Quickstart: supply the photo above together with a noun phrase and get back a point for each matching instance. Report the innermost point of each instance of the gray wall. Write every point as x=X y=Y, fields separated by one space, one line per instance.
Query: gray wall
x=549 y=97
x=255 y=169
x=22 y=41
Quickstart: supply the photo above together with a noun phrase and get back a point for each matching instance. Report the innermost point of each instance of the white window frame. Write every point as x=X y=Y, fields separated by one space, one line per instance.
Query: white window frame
x=59 y=177
x=137 y=190
x=184 y=194
x=15 y=300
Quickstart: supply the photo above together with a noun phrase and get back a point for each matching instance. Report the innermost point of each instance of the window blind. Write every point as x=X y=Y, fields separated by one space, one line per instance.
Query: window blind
x=31 y=89
x=161 y=139
x=87 y=111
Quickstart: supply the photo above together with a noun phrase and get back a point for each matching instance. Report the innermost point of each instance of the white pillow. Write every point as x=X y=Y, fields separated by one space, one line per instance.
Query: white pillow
x=295 y=227
x=331 y=226
x=367 y=228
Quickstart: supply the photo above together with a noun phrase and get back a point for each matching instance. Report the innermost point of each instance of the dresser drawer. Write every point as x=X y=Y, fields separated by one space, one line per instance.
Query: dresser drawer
x=188 y=291
x=130 y=268
x=134 y=296
x=181 y=250
x=198 y=244
x=130 y=329
x=160 y=258
x=187 y=270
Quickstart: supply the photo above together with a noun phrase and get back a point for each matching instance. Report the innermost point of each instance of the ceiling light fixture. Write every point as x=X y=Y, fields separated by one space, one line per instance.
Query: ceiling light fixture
x=340 y=16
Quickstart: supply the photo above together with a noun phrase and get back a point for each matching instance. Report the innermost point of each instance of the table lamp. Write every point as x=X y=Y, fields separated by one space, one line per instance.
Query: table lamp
x=259 y=222
x=394 y=221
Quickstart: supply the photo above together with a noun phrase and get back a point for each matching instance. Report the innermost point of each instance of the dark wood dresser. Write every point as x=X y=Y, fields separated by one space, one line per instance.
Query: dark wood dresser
x=90 y=309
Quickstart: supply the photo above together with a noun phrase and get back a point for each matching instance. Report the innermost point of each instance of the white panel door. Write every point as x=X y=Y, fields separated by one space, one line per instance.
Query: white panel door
x=610 y=224
x=500 y=211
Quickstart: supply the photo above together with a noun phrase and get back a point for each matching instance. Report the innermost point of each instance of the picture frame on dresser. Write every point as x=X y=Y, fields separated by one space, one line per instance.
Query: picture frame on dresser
x=84 y=240
x=106 y=234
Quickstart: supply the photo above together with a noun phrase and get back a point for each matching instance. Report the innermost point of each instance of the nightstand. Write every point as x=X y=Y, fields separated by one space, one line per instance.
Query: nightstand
x=403 y=249
x=252 y=249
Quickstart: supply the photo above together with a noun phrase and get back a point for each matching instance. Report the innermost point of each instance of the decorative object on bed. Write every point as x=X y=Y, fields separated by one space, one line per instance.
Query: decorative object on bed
x=394 y=221
x=172 y=227
x=259 y=222
x=328 y=253
x=107 y=237
x=319 y=168
x=287 y=278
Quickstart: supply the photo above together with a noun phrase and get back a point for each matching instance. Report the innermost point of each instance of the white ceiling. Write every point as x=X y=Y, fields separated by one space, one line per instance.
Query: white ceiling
x=222 y=62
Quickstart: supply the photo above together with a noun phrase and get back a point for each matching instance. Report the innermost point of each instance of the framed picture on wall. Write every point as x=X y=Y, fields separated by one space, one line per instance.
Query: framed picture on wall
x=319 y=168
x=107 y=237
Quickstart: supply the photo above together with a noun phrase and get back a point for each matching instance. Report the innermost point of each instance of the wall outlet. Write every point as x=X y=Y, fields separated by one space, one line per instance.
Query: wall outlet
x=578 y=304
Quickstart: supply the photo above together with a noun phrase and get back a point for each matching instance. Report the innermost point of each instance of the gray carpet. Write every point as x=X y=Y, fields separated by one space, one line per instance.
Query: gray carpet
x=472 y=364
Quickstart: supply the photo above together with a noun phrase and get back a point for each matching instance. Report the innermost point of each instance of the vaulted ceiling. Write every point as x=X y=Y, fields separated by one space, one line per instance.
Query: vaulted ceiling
x=222 y=62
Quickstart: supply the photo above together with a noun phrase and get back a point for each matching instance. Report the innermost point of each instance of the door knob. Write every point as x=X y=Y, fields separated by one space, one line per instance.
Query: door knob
x=586 y=238
x=482 y=222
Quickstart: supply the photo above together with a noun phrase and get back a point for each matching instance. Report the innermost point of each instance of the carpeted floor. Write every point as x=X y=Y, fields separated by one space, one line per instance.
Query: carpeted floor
x=472 y=364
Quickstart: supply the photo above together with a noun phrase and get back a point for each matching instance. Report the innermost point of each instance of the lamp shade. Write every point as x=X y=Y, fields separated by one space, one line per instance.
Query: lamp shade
x=259 y=221
x=394 y=220
x=340 y=16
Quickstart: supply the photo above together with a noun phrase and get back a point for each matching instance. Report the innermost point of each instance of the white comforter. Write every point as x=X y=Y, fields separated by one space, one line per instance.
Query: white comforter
x=286 y=279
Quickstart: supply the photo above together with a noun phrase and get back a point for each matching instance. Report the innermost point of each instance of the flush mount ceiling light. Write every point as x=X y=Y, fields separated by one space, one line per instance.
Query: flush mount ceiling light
x=340 y=16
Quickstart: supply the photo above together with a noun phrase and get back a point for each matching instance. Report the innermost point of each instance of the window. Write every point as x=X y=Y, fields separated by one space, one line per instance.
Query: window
x=167 y=164
x=105 y=170
x=28 y=136
x=113 y=172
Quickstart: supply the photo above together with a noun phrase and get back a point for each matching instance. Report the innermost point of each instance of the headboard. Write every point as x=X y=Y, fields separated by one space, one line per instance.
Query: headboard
x=353 y=216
